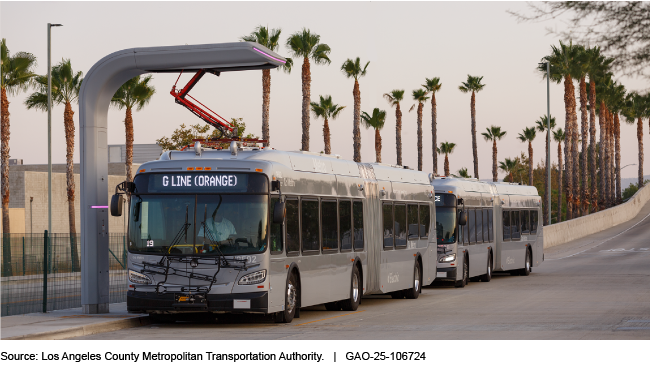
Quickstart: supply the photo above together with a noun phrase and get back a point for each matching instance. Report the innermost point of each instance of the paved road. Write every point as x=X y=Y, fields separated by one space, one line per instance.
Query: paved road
x=594 y=288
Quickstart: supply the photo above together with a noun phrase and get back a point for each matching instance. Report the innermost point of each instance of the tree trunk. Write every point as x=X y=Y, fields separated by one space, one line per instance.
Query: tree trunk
x=617 y=136
x=420 y=106
x=266 y=102
x=593 y=192
x=530 y=164
x=612 y=159
x=575 y=154
x=474 y=149
x=559 y=182
x=602 y=186
x=434 y=132
x=511 y=177
x=377 y=145
x=495 y=176
x=356 y=130
x=306 y=98
x=546 y=209
x=608 y=176
x=6 y=245
x=446 y=165
x=583 y=157
x=326 y=137
x=68 y=122
x=128 y=124
x=398 y=134
x=639 y=137
x=569 y=106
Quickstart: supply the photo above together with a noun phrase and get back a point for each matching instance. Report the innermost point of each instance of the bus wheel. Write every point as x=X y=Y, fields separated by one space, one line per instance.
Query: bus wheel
x=290 y=301
x=355 y=292
x=414 y=292
x=488 y=274
x=464 y=281
x=526 y=270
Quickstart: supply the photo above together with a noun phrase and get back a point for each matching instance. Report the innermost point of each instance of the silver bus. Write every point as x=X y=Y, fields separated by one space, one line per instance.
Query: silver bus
x=483 y=227
x=257 y=230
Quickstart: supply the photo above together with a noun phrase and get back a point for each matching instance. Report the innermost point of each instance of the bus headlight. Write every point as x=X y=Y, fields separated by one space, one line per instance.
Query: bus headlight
x=136 y=277
x=253 y=278
x=448 y=258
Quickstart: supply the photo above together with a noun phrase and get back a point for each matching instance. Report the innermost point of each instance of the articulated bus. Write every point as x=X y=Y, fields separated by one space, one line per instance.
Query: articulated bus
x=256 y=230
x=484 y=227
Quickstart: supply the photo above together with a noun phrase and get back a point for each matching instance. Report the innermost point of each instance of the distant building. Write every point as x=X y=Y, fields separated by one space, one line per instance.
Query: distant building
x=15 y=161
x=141 y=153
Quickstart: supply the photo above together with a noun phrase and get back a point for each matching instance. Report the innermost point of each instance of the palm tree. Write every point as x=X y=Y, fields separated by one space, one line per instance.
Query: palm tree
x=269 y=40
x=562 y=62
x=432 y=86
x=474 y=85
x=528 y=135
x=463 y=173
x=558 y=136
x=509 y=166
x=376 y=121
x=352 y=68
x=580 y=185
x=17 y=74
x=447 y=148
x=603 y=89
x=494 y=134
x=326 y=110
x=305 y=44
x=542 y=125
x=636 y=108
x=394 y=98
x=134 y=93
x=420 y=96
x=617 y=106
x=65 y=90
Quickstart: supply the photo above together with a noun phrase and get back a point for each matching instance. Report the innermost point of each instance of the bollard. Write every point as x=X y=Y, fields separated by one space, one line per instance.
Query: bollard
x=45 y=262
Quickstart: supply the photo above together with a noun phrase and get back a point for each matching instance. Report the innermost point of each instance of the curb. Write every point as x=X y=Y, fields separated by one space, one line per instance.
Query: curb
x=86 y=330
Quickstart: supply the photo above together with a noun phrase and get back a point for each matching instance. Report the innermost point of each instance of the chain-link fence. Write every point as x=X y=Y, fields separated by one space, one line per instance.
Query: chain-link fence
x=26 y=258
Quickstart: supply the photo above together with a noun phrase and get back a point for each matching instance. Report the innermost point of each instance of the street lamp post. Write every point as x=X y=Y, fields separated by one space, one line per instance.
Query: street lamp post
x=49 y=126
x=548 y=137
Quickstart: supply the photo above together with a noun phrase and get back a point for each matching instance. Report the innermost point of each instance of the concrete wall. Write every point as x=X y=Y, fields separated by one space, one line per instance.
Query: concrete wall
x=560 y=233
x=32 y=218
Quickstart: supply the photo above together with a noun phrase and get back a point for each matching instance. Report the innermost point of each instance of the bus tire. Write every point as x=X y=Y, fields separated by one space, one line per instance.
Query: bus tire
x=414 y=292
x=527 y=264
x=353 y=302
x=488 y=275
x=464 y=281
x=291 y=295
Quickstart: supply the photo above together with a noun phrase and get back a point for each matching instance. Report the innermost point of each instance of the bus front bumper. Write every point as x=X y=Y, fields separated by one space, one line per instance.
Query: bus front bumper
x=146 y=302
x=446 y=274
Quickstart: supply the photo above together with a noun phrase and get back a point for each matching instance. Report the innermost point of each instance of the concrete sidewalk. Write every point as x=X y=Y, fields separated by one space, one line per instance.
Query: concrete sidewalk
x=68 y=323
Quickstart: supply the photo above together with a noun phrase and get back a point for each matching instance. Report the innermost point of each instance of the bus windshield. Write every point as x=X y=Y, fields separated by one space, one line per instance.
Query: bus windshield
x=446 y=231
x=198 y=224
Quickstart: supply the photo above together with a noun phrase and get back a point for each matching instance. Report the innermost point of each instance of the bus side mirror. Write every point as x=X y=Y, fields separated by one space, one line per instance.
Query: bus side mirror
x=116 y=205
x=462 y=220
x=278 y=213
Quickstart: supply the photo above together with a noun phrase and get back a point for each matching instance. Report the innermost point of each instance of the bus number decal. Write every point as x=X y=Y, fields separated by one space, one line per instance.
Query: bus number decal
x=250 y=259
x=393 y=278
x=149 y=243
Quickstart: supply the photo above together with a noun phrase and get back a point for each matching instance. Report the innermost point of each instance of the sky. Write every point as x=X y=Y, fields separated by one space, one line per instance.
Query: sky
x=405 y=43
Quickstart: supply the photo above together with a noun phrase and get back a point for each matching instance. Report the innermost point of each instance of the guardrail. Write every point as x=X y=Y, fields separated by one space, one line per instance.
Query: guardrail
x=561 y=233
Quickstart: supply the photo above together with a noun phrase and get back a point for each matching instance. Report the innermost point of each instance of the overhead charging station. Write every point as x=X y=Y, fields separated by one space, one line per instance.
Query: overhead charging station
x=99 y=85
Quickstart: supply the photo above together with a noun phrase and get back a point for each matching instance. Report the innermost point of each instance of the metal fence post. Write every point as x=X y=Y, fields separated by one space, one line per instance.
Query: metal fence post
x=45 y=267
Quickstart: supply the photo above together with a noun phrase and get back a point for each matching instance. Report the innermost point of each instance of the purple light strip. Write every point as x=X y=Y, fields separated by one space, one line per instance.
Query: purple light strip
x=99 y=206
x=268 y=55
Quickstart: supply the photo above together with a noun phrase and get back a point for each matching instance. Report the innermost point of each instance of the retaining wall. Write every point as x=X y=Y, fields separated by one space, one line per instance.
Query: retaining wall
x=560 y=233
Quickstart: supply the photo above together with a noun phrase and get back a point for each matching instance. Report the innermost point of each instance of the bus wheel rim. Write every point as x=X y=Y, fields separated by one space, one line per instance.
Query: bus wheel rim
x=416 y=283
x=355 y=288
x=291 y=297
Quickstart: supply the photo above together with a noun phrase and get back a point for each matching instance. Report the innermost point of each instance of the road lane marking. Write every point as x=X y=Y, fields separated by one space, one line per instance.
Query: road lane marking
x=324 y=319
x=607 y=240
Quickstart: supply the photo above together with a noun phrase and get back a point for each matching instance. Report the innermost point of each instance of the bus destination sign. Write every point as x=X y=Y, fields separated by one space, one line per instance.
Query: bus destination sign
x=221 y=182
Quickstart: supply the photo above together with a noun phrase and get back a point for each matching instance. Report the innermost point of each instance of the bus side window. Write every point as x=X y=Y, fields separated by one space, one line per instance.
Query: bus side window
x=479 y=225
x=533 y=222
x=387 y=218
x=471 y=222
x=345 y=224
x=276 y=233
x=330 y=227
x=412 y=216
x=400 y=225
x=506 y=225
x=490 y=224
x=486 y=226
x=425 y=220
x=357 y=215
x=309 y=225
x=466 y=230
x=525 y=222
x=515 y=227
x=293 y=226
